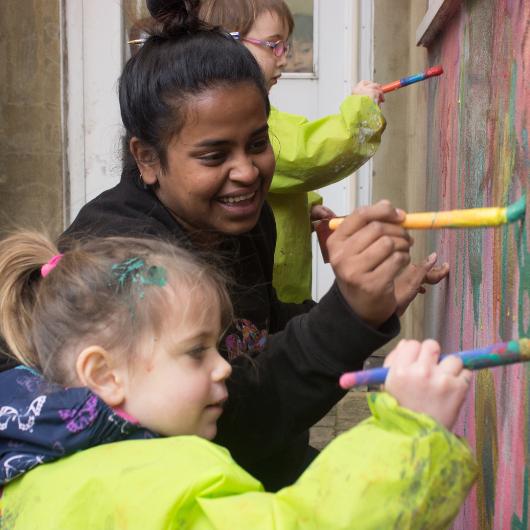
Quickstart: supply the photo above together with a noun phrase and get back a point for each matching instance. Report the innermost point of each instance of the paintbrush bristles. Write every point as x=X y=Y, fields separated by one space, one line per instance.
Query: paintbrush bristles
x=516 y=210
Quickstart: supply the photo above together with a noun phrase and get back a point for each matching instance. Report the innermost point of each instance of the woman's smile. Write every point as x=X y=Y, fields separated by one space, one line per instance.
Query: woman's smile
x=220 y=164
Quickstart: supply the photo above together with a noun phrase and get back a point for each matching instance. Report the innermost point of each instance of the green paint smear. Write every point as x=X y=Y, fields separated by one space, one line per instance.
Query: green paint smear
x=135 y=271
x=516 y=351
x=522 y=524
x=516 y=211
x=475 y=271
x=523 y=258
x=506 y=270
x=487 y=445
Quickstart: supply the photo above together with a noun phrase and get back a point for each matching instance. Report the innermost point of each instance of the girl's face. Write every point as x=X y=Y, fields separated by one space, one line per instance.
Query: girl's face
x=220 y=165
x=177 y=385
x=268 y=26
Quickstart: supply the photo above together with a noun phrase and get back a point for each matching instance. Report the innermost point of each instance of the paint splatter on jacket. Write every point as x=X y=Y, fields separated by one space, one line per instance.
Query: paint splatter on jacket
x=297 y=351
x=309 y=156
x=397 y=469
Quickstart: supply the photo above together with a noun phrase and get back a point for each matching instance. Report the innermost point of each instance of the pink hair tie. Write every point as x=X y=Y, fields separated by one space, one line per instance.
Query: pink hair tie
x=48 y=267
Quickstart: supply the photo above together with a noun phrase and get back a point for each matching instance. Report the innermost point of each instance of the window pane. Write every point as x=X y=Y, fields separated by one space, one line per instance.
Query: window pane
x=301 y=53
x=300 y=56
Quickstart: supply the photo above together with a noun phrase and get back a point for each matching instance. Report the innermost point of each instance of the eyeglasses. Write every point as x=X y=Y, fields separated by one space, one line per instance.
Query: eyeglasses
x=279 y=47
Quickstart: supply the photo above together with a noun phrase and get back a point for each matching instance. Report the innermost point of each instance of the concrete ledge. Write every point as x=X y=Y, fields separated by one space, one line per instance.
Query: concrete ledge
x=437 y=16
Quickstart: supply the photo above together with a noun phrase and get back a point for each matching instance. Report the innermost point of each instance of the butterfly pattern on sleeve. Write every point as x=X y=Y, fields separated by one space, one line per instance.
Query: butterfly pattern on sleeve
x=82 y=417
x=42 y=422
x=24 y=420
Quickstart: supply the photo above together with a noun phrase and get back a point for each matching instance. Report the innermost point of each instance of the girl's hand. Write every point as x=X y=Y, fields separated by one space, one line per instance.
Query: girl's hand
x=367 y=252
x=369 y=88
x=319 y=211
x=419 y=383
x=410 y=282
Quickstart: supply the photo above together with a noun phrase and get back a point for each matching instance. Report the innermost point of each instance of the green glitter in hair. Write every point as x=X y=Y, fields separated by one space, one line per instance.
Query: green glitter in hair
x=135 y=270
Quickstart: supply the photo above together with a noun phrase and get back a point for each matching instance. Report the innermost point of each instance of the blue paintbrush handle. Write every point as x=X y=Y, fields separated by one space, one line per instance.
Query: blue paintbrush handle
x=500 y=354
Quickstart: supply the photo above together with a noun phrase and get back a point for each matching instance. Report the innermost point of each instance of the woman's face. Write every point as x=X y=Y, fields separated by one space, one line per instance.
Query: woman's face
x=220 y=165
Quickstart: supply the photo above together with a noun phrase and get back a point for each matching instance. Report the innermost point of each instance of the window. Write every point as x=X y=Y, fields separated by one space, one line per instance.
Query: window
x=302 y=55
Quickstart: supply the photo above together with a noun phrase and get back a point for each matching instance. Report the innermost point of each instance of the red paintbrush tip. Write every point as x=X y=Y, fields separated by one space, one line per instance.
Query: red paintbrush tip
x=435 y=70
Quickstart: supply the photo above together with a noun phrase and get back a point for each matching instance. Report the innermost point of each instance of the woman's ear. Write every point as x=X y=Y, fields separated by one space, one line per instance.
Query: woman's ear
x=96 y=370
x=146 y=159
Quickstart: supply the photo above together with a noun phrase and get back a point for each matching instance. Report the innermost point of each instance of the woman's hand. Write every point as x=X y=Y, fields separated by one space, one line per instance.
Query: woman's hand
x=411 y=281
x=367 y=252
x=420 y=383
x=319 y=212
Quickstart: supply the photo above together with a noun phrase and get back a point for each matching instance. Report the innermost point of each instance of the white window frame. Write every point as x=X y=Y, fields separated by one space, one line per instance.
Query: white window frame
x=314 y=73
x=94 y=61
x=363 y=17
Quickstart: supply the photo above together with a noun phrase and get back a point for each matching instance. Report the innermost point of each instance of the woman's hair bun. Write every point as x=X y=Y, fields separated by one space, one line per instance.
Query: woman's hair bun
x=176 y=16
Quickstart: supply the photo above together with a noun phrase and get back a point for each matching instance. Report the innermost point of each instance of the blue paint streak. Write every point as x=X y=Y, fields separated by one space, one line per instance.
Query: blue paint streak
x=412 y=79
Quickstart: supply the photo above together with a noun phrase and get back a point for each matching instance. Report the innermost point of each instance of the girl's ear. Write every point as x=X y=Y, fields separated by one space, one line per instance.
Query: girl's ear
x=146 y=159
x=97 y=371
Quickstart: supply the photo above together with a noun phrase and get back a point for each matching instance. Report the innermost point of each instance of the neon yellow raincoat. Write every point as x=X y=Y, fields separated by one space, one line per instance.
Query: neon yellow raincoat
x=309 y=156
x=397 y=469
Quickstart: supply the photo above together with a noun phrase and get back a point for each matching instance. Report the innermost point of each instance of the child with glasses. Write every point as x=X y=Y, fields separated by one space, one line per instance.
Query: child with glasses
x=309 y=154
x=121 y=387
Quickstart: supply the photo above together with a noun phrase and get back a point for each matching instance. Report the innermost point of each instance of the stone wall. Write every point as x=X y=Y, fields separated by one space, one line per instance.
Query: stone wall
x=31 y=132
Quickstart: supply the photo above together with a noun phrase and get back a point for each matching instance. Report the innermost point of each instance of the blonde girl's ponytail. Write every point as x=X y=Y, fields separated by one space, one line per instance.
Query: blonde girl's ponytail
x=22 y=256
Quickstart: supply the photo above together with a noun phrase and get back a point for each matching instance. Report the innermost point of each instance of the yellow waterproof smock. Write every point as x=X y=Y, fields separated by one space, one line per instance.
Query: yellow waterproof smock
x=396 y=469
x=309 y=156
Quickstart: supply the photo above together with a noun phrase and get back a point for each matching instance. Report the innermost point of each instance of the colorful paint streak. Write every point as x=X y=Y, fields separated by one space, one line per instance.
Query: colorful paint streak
x=478 y=155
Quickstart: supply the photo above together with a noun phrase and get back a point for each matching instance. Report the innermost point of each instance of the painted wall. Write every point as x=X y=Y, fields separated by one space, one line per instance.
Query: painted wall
x=478 y=155
x=399 y=164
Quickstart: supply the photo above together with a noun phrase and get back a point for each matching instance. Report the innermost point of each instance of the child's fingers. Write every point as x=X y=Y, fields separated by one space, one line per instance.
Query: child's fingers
x=466 y=375
x=406 y=354
x=429 y=353
x=452 y=364
x=390 y=358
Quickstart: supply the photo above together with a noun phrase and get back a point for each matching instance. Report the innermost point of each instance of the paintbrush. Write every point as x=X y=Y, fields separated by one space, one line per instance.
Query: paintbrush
x=500 y=354
x=405 y=81
x=469 y=218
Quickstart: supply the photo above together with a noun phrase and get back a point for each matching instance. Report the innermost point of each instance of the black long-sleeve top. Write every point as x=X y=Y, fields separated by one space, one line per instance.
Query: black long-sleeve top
x=295 y=353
